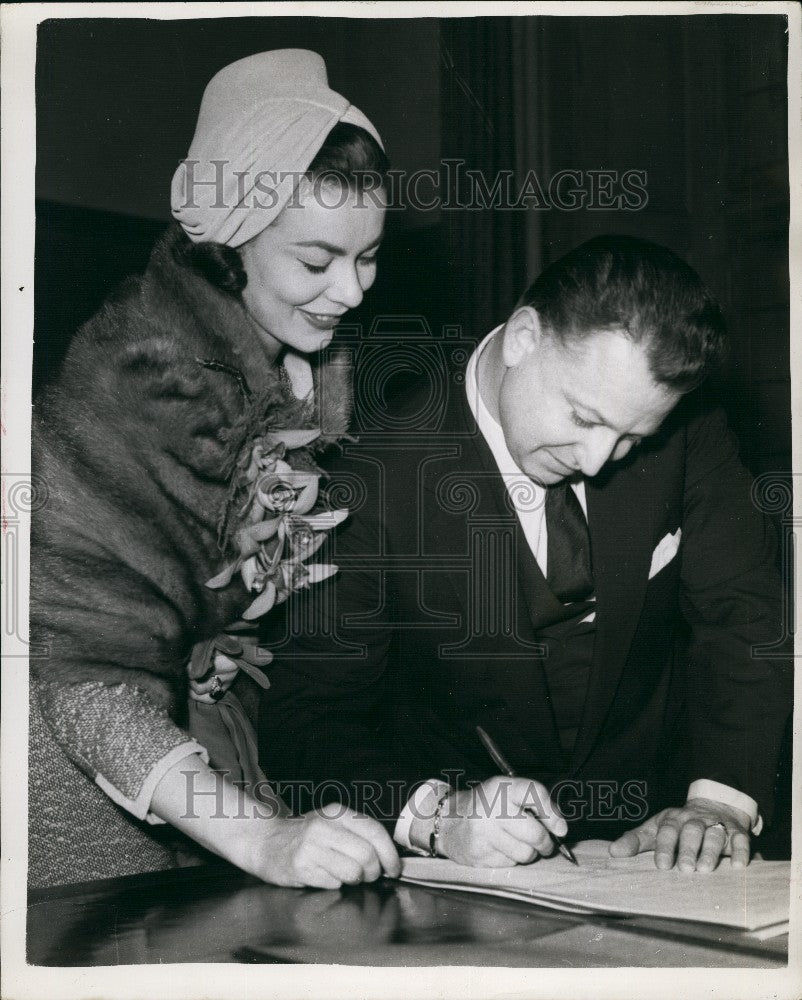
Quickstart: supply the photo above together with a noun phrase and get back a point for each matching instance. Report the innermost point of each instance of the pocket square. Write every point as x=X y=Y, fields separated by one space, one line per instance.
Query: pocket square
x=664 y=552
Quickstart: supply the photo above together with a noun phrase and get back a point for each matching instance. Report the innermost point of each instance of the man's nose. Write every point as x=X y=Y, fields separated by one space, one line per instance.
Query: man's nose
x=346 y=288
x=596 y=450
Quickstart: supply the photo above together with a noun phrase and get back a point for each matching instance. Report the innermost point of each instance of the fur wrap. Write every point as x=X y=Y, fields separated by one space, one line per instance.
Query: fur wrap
x=134 y=443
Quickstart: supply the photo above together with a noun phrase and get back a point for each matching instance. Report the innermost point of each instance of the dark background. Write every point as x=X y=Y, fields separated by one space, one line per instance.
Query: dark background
x=697 y=102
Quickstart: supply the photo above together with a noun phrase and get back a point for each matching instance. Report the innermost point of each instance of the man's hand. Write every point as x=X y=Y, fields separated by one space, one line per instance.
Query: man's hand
x=692 y=837
x=225 y=670
x=504 y=821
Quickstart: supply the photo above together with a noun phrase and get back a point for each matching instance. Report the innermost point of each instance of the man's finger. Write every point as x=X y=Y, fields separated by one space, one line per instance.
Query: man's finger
x=521 y=851
x=535 y=799
x=635 y=841
x=529 y=831
x=715 y=840
x=665 y=845
x=627 y=845
x=740 y=849
x=691 y=836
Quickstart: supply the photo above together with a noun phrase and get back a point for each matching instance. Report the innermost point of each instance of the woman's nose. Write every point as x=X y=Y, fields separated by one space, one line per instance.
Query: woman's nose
x=346 y=288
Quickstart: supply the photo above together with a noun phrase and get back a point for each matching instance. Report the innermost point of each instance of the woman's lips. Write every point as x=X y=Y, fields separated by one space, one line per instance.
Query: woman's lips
x=321 y=321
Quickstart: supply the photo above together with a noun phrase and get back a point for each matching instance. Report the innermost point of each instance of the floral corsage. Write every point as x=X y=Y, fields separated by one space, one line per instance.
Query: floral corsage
x=274 y=529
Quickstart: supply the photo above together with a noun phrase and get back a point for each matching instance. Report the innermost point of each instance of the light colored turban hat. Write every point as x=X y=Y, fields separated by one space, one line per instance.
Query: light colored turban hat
x=262 y=121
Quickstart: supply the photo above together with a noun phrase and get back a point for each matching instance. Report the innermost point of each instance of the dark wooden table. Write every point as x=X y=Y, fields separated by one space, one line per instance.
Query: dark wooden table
x=217 y=914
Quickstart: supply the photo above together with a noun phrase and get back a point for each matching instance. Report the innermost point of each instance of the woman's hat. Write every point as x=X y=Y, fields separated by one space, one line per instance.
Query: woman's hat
x=262 y=121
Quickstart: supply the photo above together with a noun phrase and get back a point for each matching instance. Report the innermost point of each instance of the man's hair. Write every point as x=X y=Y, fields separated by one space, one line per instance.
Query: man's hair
x=621 y=283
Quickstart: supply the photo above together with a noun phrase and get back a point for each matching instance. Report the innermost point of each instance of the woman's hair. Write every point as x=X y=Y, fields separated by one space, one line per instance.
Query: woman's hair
x=621 y=283
x=348 y=155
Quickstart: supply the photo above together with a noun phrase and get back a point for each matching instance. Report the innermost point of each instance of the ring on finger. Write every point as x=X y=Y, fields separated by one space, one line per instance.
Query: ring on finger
x=217 y=690
x=718 y=826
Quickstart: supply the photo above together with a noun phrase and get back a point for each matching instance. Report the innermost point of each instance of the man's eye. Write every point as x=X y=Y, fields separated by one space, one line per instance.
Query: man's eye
x=314 y=268
x=580 y=422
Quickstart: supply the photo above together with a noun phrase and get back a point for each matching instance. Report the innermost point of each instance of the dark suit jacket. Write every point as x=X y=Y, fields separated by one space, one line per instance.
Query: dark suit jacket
x=430 y=627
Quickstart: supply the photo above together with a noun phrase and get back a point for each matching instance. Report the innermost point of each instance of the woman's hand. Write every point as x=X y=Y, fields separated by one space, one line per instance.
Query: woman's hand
x=213 y=688
x=325 y=849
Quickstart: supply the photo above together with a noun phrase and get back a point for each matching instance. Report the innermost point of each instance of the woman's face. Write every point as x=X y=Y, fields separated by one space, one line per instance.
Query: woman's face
x=311 y=265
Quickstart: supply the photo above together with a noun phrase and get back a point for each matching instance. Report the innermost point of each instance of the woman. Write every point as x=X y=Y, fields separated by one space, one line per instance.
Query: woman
x=140 y=442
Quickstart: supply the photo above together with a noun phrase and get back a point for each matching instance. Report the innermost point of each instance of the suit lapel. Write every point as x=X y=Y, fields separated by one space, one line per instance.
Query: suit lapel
x=621 y=513
x=526 y=725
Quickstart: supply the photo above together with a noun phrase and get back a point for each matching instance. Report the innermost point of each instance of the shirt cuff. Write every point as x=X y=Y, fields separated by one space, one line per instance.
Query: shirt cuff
x=704 y=788
x=140 y=806
x=420 y=805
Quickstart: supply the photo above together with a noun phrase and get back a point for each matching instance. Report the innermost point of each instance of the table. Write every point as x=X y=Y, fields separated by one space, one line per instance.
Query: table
x=217 y=914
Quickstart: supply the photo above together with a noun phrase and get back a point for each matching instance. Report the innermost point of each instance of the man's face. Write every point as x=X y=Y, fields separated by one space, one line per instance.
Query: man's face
x=570 y=409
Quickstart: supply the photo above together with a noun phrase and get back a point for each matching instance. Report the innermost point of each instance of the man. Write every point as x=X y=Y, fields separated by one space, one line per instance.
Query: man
x=560 y=548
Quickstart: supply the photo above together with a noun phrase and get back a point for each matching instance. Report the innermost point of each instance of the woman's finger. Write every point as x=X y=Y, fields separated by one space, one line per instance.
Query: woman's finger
x=318 y=877
x=336 y=836
x=361 y=852
x=339 y=865
x=375 y=834
x=204 y=699
x=216 y=683
x=224 y=664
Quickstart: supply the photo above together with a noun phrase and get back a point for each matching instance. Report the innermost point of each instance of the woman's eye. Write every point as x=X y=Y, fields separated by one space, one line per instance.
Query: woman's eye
x=580 y=422
x=369 y=259
x=314 y=268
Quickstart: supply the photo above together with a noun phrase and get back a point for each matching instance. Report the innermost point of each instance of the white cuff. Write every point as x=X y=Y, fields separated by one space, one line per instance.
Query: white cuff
x=704 y=788
x=140 y=806
x=420 y=805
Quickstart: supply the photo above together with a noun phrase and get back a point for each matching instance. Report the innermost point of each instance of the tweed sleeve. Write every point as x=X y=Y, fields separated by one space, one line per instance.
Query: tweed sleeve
x=119 y=737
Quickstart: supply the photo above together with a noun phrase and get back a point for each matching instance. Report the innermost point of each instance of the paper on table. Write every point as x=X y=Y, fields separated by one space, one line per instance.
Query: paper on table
x=748 y=898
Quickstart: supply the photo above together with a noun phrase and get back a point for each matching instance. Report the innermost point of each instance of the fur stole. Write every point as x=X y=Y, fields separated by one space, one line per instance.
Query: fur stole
x=134 y=444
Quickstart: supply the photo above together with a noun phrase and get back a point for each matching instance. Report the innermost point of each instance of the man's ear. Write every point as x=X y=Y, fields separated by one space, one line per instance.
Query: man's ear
x=522 y=333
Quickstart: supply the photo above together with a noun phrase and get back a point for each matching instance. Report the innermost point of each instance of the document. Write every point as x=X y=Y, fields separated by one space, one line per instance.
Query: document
x=750 y=898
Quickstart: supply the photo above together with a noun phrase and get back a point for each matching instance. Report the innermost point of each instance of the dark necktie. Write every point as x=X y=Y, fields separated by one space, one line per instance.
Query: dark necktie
x=568 y=571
